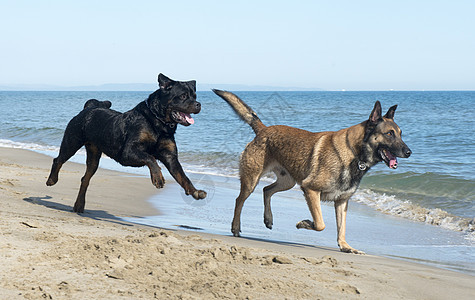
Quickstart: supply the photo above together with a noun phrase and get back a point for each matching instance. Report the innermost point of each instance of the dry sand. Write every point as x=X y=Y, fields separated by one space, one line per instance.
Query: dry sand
x=47 y=251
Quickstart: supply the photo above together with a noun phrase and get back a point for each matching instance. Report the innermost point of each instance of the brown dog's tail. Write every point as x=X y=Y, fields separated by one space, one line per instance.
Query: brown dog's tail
x=242 y=110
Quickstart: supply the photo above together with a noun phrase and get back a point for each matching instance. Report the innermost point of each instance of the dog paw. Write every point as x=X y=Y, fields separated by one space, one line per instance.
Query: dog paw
x=158 y=181
x=305 y=224
x=268 y=222
x=78 y=208
x=199 y=194
x=352 y=250
x=51 y=181
x=348 y=249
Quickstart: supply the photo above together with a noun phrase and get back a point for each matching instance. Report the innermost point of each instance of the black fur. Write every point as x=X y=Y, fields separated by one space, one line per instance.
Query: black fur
x=135 y=138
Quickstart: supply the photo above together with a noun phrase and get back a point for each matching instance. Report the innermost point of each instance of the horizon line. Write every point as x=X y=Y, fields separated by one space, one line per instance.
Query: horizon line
x=139 y=87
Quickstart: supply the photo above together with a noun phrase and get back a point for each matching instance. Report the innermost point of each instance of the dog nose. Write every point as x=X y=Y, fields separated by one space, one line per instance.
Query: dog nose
x=408 y=153
x=198 y=105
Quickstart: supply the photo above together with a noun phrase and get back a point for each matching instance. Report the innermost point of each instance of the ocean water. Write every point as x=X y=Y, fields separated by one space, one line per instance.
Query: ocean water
x=423 y=211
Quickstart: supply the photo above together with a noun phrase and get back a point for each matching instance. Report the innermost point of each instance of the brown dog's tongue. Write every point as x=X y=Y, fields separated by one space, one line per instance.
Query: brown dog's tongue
x=393 y=163
x=392 y=160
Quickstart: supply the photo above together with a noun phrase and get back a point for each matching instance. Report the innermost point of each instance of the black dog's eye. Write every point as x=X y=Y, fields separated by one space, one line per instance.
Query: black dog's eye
x=183 y=96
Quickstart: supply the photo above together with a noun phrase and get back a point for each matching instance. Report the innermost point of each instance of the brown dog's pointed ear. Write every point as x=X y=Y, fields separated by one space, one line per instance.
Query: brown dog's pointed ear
x=390 y=113
x=375 y=115
x=164 y=82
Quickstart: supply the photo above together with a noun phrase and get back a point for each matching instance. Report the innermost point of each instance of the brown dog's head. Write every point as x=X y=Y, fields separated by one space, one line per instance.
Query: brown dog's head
x=383 y=137
x=175 y=101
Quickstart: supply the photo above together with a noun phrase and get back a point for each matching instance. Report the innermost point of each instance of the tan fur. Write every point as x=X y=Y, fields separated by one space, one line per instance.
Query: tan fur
x=147 y=137
x=327 y=165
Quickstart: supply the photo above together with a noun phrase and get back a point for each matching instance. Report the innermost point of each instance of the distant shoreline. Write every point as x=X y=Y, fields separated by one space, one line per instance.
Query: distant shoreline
x=146 y=87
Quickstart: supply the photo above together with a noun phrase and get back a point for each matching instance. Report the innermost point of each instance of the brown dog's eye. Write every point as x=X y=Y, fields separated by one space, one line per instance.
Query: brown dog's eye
x=390 y=133
x=183 y=96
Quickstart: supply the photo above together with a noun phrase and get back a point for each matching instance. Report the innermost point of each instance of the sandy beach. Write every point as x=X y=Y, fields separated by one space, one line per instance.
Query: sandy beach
x=49 y=252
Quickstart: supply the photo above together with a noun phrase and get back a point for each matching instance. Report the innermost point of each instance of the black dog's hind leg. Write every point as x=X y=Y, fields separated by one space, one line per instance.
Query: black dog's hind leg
x=69 y=146
x=169 y=157
x=92 y=163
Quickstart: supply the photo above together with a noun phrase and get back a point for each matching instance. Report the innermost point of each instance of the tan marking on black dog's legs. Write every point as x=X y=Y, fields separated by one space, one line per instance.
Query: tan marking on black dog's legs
x=156 y=174
x=92 y=163
x=168 y=156
x=53 y=175
x=199 y=194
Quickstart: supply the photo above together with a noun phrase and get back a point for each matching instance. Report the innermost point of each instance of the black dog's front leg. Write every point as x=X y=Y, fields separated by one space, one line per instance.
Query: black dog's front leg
x=135 y=157
x=170 y=160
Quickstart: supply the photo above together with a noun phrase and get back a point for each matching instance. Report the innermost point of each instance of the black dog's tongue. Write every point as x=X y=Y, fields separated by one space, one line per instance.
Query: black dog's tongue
x=188 y=118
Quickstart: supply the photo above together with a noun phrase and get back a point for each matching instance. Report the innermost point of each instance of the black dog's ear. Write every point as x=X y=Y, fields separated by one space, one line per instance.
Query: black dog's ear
x=375 y=115
x=390 y=113
x=192 y=83
x=164 y=82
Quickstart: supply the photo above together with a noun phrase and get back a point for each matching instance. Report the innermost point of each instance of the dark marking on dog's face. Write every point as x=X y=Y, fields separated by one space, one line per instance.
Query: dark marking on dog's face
x=175 y=100
x=384 y=137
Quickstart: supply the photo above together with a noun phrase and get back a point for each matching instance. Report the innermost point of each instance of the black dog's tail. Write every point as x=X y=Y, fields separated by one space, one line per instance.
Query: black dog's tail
x=94 y=103
x=241 y=109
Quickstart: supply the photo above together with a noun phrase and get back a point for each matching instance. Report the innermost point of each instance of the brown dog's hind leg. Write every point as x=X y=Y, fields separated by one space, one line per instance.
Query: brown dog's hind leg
x=247 y=187
x=251 y=168
x=236 y=225
x=92 y=163
x=313 y=202
x=284 y=182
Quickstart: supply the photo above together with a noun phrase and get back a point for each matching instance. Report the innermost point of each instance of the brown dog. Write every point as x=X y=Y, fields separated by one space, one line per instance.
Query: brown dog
x=327 y=165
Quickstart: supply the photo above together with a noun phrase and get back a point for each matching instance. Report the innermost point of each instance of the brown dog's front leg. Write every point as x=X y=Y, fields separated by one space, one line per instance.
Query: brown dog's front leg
x=313 y=202
x=341 y=206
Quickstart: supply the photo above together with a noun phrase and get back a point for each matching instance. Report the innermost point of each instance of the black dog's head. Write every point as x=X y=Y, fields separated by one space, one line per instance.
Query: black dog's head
x=174 y=101
x=383 y=137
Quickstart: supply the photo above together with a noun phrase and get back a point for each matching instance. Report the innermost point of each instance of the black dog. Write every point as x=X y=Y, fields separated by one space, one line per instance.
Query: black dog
x=135 y=138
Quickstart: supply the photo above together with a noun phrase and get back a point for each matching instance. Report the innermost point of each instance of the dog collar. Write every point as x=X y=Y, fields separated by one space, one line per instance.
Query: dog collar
x=362 y=165
x=171 y=125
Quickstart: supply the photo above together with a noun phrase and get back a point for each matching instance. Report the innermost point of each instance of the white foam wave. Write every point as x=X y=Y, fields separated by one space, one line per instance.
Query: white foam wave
x=389 y=204
x=29 y=146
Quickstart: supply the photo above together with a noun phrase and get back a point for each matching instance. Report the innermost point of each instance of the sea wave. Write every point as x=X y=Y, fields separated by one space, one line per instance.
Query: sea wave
x=28 y=146
x=433 y=190
x=429 y=198
x=426 y=184
x=390 y=204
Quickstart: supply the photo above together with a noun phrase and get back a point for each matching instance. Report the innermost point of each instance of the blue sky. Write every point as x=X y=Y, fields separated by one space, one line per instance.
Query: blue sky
x=333 y=45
